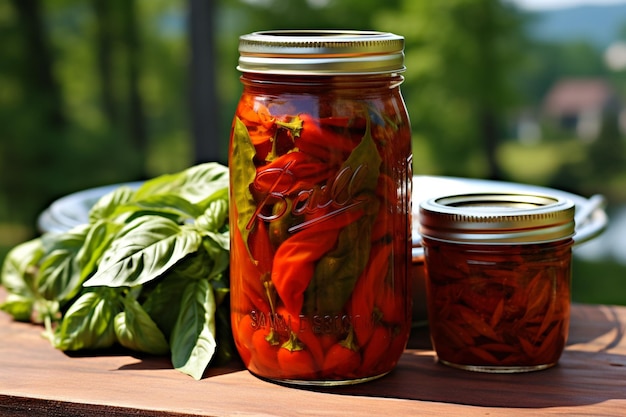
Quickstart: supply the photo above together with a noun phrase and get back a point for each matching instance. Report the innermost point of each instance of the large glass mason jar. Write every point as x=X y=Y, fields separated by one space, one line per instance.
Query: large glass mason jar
x=320 y=180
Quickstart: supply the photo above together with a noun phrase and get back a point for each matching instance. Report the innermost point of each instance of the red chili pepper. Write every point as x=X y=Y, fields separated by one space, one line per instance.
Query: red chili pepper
x=392 y=306
x=289 y=172
x=294 y=265
x=259 y=123
x=294 y=361
x=260 y=246
x=322 y=142
x=485 y=297
x=245 y=275
x=361 y=303
x=376 y=348
x=389 y=359
x=343 y=359
x=387 y=191
x=294 y=261
x=390 y=301
x=266 y=345
x=305 y=334
x=396 y=347
x=497 y=315
x=256 y=117
x=550 y=349
x=242 y=327
x=380 y=228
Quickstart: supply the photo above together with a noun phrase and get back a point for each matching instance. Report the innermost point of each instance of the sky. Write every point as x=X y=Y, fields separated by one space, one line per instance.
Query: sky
x=557 y=4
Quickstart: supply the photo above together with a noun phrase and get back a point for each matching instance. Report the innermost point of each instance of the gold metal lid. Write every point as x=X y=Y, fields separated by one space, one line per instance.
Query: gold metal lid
x=321 y=52
x=497 y=218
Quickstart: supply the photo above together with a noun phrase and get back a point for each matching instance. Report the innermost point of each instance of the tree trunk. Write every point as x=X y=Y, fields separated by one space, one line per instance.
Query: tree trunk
x=205 y=114
x=104 y=31
x=133 y=56
x=29 y=12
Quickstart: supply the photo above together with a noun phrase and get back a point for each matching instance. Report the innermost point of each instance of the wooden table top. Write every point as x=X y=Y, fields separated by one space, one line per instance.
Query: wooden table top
x=37 y=380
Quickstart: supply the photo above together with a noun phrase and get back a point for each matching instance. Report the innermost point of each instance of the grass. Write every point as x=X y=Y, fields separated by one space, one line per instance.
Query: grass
x=536 y=163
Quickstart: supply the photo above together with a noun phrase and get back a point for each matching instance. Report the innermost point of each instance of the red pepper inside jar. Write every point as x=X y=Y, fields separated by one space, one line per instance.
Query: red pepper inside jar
x=498 y=272
x=320 y=170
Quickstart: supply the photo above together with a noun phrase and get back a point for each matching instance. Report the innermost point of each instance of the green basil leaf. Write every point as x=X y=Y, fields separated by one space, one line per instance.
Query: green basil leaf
x=193 y=339
x=220 y=256
x=217 y=243
x=45 y=311
x=195 y=184
x=135 y=330
x=88 y=323
x=243 y=174
x=168 y=205
x=199 y=265
x=98 y=239
x=145 y=248
x=20 y=268
x=215 y=217
x=162 y=301
x=213 y=224
x=18 y=306
x=59 y=275
x=108 y=205
x=211 y=183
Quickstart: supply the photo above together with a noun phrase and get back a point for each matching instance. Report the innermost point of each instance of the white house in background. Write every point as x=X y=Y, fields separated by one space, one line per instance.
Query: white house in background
x=580 y=104
x=527 y=127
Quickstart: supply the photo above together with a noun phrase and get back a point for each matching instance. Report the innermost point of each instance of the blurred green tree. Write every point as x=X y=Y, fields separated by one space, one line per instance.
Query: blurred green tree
x=93 y=93
x=462 y=56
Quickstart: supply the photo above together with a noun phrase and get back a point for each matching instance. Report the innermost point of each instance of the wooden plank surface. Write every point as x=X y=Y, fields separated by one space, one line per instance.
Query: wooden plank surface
x=36 y=379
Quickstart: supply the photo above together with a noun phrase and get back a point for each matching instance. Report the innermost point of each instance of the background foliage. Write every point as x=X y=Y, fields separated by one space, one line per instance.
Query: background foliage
x=100 y=91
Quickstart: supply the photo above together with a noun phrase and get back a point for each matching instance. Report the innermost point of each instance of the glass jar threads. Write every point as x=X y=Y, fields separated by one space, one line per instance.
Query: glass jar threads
x=320 y=170
x=498 y=272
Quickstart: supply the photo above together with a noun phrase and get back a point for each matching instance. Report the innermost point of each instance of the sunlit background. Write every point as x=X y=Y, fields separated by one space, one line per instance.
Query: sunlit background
x=105 y=91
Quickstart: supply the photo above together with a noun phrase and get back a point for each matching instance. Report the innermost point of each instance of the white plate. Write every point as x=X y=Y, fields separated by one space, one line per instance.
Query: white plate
x=73 y=209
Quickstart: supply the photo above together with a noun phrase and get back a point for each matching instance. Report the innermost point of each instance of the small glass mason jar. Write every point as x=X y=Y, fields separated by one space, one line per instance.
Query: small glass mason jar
x=498 y=272
x=320 y=180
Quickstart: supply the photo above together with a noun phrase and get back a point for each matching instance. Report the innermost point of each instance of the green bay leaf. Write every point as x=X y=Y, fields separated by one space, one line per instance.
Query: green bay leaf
x=336 y=272
x=243 y=173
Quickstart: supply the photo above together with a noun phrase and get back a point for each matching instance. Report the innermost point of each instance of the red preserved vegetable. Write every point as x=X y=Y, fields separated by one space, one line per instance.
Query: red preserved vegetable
x=501 y=305
x=489 y=310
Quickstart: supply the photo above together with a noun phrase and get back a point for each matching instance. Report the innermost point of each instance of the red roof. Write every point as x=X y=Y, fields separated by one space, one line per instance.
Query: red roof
x=572 y=96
